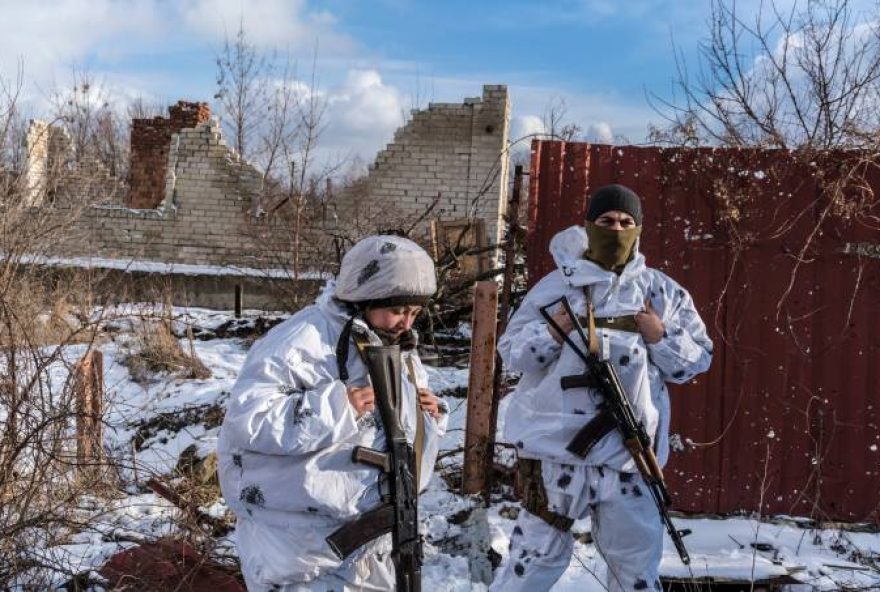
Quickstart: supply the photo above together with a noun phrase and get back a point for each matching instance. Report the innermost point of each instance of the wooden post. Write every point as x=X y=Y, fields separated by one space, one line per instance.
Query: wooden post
x=479 y=438
x=89 y=385
x=239 y=295
x=479 y=435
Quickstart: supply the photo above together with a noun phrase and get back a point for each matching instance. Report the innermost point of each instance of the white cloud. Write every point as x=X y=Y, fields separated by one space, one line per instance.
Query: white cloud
x=49 y=38
x=600 y=132
x=365 y=103
x=521 y=126
x=603 y=116
x=282 y=24
x=362 y=116
x=525 y=125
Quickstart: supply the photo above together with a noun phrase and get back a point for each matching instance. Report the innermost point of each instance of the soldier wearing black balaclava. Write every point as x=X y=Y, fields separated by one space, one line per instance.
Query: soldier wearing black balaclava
x=612 y=249
x=648 y=328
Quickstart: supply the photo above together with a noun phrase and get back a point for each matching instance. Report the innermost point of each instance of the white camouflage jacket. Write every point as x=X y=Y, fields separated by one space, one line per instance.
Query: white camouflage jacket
x=541 y=418
x=285 y=447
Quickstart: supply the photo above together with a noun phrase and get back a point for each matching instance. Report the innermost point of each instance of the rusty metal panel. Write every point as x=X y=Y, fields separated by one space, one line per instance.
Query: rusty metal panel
x=787 y=421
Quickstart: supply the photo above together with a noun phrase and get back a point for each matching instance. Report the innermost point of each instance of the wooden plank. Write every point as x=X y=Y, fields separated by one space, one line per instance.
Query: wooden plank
x=479 y=438
x=462 y=235
x=89 y=385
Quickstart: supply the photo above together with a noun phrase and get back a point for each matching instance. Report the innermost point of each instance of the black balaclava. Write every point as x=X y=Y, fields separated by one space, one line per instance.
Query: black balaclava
x=613 y=249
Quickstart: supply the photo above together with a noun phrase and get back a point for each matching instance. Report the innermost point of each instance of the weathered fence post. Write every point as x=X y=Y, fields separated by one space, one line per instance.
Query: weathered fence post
x=89 y=392
x=239 y=296
x=479 y=437
x=484 y=383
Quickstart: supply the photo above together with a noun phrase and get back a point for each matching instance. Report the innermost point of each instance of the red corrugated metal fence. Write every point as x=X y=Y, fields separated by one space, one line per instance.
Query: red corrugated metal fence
x=788 y=417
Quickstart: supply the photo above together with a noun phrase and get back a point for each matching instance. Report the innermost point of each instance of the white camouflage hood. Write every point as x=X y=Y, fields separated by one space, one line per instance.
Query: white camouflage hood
x=380 y=267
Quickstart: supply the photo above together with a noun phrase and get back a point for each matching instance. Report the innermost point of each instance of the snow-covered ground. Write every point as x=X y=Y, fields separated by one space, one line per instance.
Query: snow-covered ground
x=830 y=559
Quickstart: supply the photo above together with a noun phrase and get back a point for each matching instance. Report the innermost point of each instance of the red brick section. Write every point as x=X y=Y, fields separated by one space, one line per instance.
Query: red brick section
x=150 y=143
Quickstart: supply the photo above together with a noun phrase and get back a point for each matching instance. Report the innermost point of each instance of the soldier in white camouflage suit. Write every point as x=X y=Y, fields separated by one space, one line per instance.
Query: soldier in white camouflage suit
x=648 y=328
x=303 y=402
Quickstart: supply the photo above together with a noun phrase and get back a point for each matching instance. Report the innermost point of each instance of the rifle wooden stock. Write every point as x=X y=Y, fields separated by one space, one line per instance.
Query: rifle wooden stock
x=635 y=451
x=656 y=472
x=363 y=529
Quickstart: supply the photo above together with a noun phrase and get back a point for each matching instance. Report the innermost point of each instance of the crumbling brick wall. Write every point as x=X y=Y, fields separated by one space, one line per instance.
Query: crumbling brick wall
x=204 y=215
x=203 y=211
x=456 y=151
x=150 y=145
x=54 y=173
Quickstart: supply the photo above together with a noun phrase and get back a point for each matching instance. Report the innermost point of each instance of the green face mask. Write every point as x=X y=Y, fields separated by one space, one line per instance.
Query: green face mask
x=611 y=249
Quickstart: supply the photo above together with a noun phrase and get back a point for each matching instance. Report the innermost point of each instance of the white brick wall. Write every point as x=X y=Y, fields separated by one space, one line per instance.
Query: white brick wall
x=451 y=149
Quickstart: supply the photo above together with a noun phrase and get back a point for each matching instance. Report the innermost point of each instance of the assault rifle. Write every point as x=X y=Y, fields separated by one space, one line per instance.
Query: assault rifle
x=615 y=413
x=398 y=513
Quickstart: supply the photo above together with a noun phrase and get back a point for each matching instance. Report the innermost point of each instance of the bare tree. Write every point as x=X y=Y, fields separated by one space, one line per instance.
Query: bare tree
x=275 y=120
x=281 y=127
x=242 y=93
x=312 y=111
x=143 y=108
x=555 y=124
x=311 y=117
x=804 y=77
x=12 y=146
x=286 y=131
x=96 y=125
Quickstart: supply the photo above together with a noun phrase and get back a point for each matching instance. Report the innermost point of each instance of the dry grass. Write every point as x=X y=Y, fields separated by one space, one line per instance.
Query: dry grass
x=157 y=350
x=41 y=316
x=201 y=484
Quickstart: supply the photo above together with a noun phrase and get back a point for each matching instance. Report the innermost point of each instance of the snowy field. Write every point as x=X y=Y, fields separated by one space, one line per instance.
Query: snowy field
x=830 y=559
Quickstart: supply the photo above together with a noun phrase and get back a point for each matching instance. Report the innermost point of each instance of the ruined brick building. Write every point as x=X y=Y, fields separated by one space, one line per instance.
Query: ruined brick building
x=192 y=201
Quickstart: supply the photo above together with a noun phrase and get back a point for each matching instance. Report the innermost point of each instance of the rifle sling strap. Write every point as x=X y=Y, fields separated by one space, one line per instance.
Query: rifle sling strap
x=419 y=443
x=622 y=323
x=531 y=492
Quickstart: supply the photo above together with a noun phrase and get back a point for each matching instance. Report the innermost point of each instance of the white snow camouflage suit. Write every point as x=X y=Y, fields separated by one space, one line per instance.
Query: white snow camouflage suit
x=285 y=456
x=540 y=418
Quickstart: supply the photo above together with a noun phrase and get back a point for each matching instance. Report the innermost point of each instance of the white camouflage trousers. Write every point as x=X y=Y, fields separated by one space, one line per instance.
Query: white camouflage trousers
x=372 y=573
x=626 y=529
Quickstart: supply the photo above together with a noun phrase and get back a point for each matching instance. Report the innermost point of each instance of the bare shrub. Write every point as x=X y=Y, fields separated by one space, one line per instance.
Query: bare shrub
x=800 y=77
x=46 y=327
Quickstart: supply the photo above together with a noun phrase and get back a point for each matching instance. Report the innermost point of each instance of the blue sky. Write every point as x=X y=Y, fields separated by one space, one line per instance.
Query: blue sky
x=375 y=58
